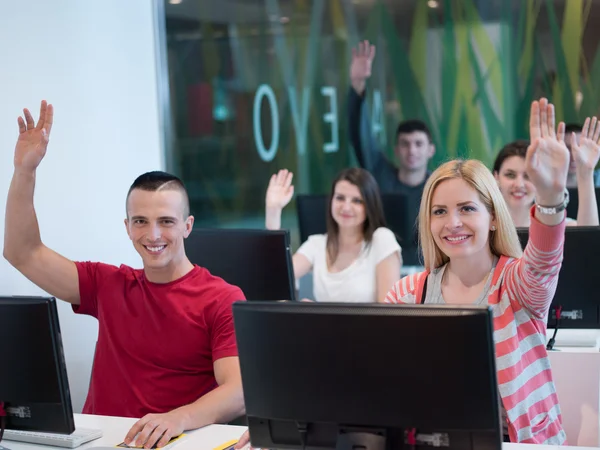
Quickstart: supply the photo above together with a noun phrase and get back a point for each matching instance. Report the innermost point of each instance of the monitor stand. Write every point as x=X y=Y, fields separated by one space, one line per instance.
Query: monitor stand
x=361 y=439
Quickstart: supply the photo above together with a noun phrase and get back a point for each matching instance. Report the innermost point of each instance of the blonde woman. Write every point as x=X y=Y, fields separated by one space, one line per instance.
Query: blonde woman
x=473 y=256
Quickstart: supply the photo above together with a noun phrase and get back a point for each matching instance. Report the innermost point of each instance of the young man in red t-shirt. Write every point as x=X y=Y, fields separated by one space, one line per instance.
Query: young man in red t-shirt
x=166 y=347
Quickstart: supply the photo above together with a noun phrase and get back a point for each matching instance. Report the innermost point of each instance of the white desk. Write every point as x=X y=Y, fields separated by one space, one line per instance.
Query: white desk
x=115 y=429
x=207 y=438
x=576 y=373
x=543 y=447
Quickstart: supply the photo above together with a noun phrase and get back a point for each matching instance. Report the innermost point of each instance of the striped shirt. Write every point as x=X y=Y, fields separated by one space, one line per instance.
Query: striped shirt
x=520 y=296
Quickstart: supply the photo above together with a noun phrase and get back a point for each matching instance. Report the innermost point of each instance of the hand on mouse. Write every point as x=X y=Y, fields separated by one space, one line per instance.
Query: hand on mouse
x=155 y=430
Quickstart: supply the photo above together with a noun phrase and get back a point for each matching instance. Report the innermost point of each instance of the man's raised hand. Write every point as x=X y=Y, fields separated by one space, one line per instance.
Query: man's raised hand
x=33 y=139
x=360 y=68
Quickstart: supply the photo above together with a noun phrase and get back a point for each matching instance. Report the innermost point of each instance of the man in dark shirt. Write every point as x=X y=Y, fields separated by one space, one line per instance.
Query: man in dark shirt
x=414 y=147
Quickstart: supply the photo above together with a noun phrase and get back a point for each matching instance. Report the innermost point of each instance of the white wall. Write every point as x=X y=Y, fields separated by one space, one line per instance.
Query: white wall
x=95 y=61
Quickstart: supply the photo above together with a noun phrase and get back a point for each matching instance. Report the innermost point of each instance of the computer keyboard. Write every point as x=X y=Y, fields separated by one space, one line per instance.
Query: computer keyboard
x=78 y=437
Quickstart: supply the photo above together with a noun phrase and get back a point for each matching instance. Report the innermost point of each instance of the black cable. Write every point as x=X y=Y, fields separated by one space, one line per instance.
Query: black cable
x=303 y=430
x=2 y=420
x=552 y=340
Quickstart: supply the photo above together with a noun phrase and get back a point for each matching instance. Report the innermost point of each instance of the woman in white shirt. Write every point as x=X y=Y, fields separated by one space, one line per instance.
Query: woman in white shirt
x=358 y=260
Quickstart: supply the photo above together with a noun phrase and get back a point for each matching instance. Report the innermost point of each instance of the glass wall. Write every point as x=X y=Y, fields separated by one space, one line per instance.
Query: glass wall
x=260 y=85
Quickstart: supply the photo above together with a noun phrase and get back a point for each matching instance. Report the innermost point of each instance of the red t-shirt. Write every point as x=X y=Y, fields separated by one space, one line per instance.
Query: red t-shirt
x=156 y=342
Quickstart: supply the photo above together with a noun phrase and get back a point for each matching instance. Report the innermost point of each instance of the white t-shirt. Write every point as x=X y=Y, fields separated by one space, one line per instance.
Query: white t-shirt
x=357 y=283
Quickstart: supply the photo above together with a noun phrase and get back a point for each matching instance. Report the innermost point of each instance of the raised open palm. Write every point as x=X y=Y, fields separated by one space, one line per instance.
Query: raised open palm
x=362 y=61
x=547 y=161
x=280 y=190
x=33 y=139
x=586 y=152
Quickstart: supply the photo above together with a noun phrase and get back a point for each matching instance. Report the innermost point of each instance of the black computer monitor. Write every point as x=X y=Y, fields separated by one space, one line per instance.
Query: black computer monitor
x=325 y=376
x=33 y=376
x=259 y=262
x=573 y=205
x=399 y=215
x=312 y=215
x=577 y=289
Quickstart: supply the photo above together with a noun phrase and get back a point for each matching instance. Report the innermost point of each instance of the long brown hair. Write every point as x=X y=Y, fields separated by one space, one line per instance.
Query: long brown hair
x=369 y=191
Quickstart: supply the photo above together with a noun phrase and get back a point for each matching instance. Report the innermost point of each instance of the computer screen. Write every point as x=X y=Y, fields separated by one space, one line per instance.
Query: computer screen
x=33 y=377
x=312 y=215
x=312 y=210
x=324 y=376
x=577 y=289
x=573 y=205
x=259 y=262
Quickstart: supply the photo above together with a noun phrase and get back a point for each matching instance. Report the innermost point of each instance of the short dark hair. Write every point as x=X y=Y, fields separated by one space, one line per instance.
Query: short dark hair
x=572 y=128
x=515 y=148
x=158 y=180
x=410 y=126
x=369 y=190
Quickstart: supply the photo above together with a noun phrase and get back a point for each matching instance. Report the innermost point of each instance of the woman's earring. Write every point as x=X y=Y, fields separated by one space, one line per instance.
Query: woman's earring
x=493 y=227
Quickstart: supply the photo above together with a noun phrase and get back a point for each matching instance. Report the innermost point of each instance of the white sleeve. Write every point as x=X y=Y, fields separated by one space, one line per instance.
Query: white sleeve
x=311 y=246
x=383 y=244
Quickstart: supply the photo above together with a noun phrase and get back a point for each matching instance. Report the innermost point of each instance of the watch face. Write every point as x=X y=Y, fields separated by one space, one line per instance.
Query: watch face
x=554 y=209
x=549 y=211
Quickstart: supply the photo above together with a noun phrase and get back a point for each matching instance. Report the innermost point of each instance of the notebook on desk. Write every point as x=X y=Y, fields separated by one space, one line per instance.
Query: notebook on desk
x=174 y=440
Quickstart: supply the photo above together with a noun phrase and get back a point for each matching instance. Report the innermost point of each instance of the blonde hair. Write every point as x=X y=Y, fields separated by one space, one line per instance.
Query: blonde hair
x=503 y=241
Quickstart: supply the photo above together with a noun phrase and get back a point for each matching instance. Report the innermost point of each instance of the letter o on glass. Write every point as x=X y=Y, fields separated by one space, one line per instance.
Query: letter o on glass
x=266 y=154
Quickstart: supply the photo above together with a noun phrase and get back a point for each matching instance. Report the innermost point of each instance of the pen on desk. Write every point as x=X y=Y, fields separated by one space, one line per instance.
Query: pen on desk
x=231 y=447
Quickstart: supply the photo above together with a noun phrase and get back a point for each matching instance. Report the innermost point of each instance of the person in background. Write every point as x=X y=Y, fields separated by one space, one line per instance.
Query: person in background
x=358 y=259
x=413 y=148
x=570 y=130
x=518 y=191
x=166 y=349
x=473 y=256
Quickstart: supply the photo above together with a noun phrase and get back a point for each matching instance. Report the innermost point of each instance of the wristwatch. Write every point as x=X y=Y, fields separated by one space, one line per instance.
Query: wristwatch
x=549 y=210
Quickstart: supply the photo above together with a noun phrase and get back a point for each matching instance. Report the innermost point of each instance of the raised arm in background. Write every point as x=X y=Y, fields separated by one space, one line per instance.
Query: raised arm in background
x=586 y=153
x=368 y=156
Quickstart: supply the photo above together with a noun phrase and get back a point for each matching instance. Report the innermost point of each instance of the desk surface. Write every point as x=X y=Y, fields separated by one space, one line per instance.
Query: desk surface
x=115 y=428
x=207 y=438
